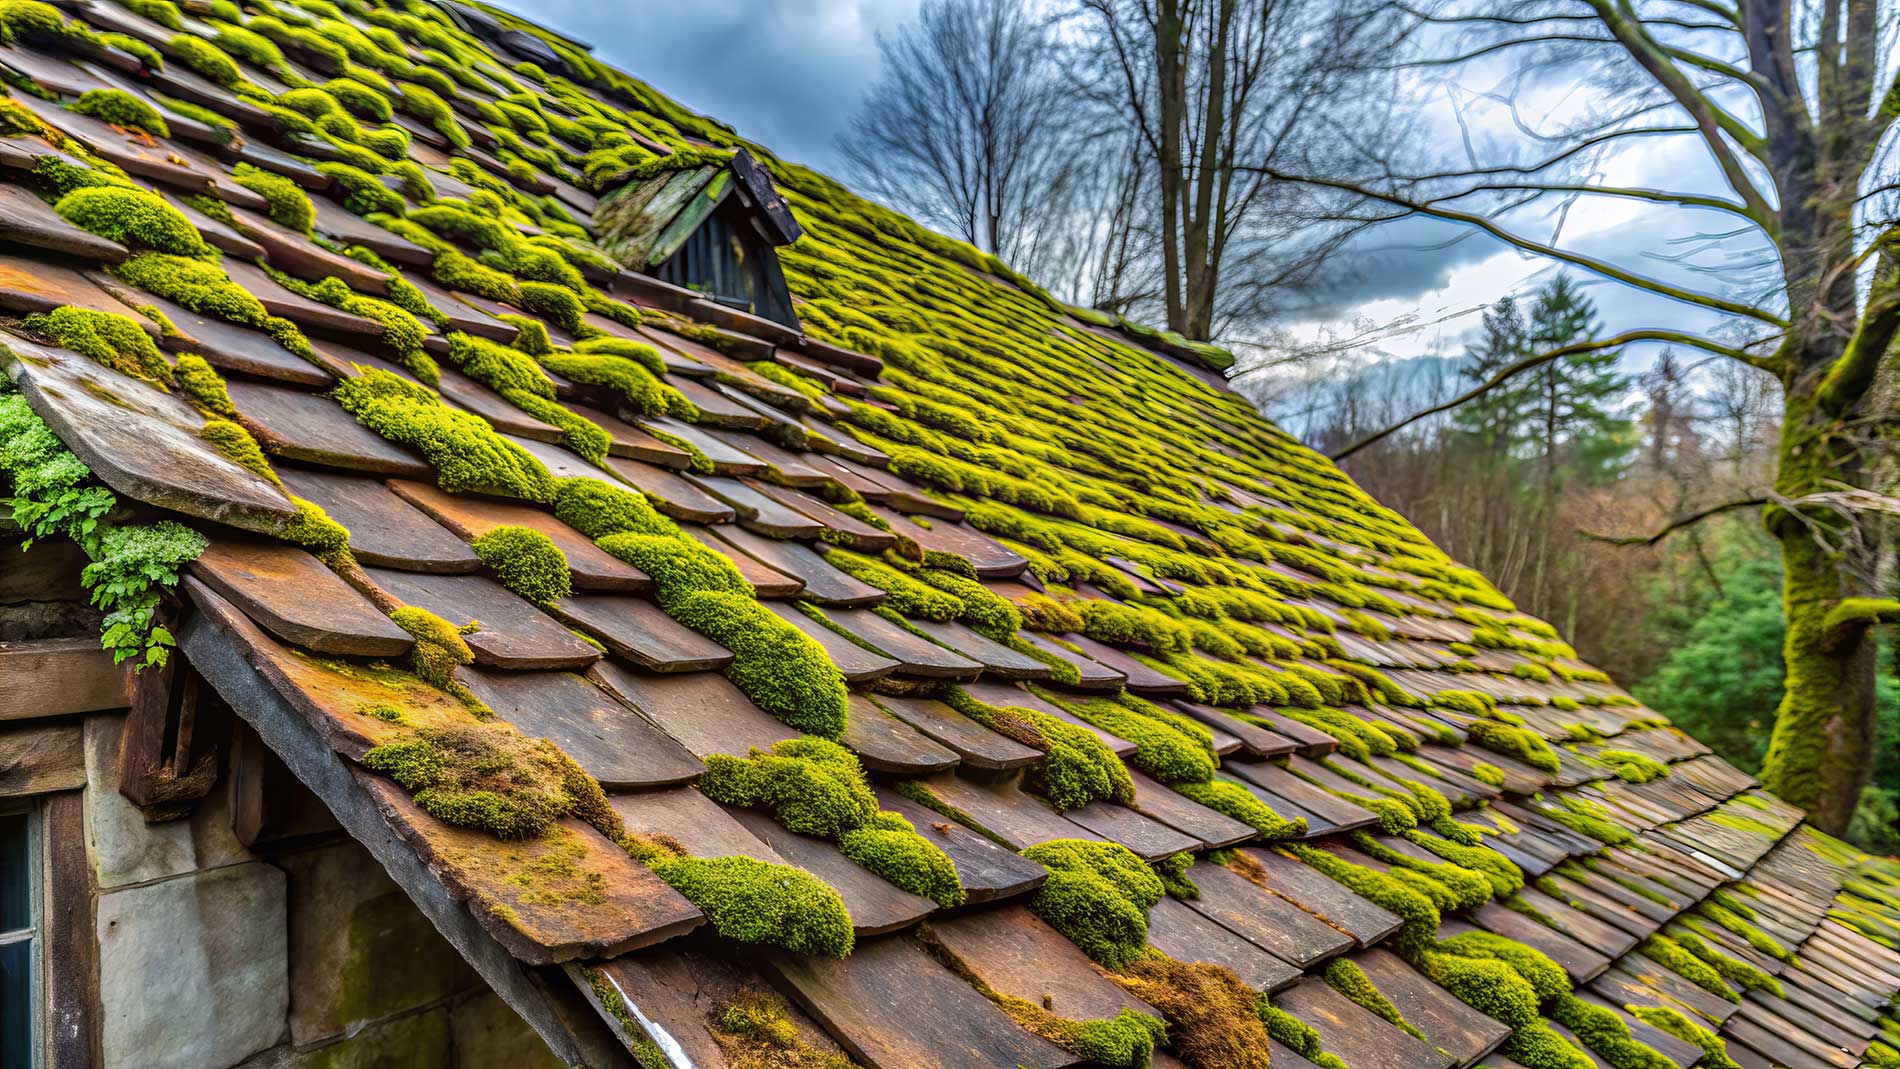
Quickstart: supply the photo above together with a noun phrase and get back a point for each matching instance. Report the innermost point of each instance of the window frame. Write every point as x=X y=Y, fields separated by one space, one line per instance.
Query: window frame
x=35 y=932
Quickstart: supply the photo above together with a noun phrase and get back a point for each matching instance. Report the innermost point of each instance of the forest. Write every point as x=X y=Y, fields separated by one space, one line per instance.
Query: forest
x=1669 y=430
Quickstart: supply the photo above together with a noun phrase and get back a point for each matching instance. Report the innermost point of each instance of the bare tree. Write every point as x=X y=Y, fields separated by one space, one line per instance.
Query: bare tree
x=1788 y=107
x=967 y=129
x=1206 y=86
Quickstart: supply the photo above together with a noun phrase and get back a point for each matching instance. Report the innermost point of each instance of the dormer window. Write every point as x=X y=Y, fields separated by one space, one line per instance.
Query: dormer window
x=710 y=226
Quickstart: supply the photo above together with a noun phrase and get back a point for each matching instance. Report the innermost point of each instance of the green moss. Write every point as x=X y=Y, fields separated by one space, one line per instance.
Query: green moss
x=1346 y=977
x=755 y=901
x=201 y=385
x=639 y=352
x=1296 y=1035
x=109 y=339
x=163 y=12
x=122 y=109
x=465 y=450
x=1734 y=970
x=289 y=204
x=239 y=447
x=1168 y=746
x=783 y=670
x=204 y=288
x=679 y=566
x=1098 y=894
x=816 y=787
x=597 y=509
x=638 y=387
x=1236 y=801
x=1671 y=955
x=134 y=218
x=1077 y=766
x=527 y=562
x=1714 y=1048
x=364 y=193
x=1488 y=774
x=1516 y=742
x=486 y=777
x=1588 y=818
x=440 y=648
x=1606 y=1034
x=906 y=595
x=314 y=530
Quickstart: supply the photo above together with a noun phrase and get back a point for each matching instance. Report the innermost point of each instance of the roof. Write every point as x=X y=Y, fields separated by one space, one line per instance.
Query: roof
x=978 y=674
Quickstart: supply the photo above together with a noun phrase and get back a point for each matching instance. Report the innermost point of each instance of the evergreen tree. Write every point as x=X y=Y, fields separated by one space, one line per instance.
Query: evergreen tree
x=1491 y=424
x=1581 y=428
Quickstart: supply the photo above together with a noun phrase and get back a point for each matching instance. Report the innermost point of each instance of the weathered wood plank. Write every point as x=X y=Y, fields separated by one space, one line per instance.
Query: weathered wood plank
x=71 y=996
x=52 y=677
x=37 y=758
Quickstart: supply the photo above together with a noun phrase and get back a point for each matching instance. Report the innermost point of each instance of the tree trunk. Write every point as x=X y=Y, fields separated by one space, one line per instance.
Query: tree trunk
x=1821 y=752
x=1171 y=89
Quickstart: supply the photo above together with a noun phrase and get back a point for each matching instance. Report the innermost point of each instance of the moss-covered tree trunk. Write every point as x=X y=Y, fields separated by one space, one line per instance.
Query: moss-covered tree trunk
x=1822 y=748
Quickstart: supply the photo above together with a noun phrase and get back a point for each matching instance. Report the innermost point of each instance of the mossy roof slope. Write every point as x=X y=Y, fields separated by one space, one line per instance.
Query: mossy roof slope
x=979 y=673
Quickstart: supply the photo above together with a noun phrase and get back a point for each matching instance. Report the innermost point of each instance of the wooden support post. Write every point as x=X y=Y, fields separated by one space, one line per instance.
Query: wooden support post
x=162 y=770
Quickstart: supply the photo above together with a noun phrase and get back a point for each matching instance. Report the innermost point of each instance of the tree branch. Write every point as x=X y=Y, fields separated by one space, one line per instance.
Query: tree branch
x=1589 y=263
x=1529 y=363
x=1676 y=524
x=1852 y=373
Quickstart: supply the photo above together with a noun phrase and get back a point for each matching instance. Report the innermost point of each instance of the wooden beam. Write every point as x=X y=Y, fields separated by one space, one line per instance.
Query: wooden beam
x=72 y=971
x=215 y=651
x=162 y=769
x=37 y=758
x=56 y=676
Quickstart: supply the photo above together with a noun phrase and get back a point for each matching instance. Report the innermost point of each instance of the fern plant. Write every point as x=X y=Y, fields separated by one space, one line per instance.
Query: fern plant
x=53 y=494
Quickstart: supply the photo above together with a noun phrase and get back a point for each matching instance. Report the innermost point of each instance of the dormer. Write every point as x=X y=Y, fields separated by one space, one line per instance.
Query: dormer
x=707 y=223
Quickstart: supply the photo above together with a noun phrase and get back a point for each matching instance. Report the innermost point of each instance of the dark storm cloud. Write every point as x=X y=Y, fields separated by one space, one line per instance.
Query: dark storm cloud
x=1399 y=261
x=786 y=74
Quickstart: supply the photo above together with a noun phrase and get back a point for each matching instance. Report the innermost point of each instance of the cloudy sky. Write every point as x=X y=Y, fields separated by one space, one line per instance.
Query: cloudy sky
x=790 y=73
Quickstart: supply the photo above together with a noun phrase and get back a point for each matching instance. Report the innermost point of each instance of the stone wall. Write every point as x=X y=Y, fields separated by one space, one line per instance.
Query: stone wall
x=308 y=956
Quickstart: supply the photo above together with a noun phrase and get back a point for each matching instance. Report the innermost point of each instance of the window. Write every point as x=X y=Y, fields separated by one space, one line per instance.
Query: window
x=19 y=937
x=727 y=260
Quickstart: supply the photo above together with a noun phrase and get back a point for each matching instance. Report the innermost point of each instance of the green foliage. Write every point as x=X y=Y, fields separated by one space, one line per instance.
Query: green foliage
x=1098 y=894
x=122 y=109
x=526 y=562
x=598 y=509
x=110 y=339
x=289 y=204
x=134 y=218
x=131 y=567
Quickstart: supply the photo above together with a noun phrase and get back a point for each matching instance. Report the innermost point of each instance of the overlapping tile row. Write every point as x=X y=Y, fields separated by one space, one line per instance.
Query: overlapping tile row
x=1621 y=856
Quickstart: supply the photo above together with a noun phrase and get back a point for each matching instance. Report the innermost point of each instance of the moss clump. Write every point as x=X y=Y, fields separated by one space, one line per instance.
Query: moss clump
x=439 y=651
x=1126 y=1041
x=816 y=787
x=1634 y=767
x=465 y=450
x=755 y=1031
x=1517 y=742
x=205 y=288
x=1098 y=894
x=239 y=447
x=526 y=562
x=1588 y=818
x=134 y=218
x=1606 y=1034
x=637 y=386
x=783 y=670
x=289 y=204
x=1077 y=766
x=1714 y=1048
x=314 y=530
x=121 y=109
x=201 y=385
x=1734 y=970
x=492 y=778
x=598 y=509
x=1168 y=746
x=364 y=193
x=1294 y=1034
x=206 y=58
x=1673 y=956
x=107 y=338
x=1488 y=774
x=1347 y=978
x=1211 y=1015
x=756 y=901
x=1236 y=801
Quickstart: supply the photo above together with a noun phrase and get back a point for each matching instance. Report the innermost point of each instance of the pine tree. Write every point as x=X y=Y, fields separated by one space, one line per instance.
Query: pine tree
x=1581 y=428
x=1491 y=425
